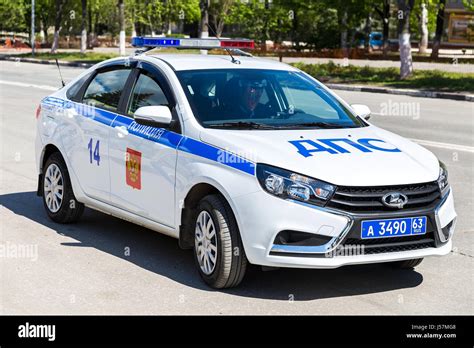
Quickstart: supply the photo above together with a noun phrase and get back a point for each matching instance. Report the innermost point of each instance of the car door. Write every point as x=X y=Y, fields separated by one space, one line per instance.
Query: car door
x=87 y=144
x=143 y=158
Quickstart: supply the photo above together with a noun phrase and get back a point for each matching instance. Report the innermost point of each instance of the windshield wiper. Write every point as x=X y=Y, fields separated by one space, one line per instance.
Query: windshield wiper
x=320 y=125
x=241 y=125
x=255 y=125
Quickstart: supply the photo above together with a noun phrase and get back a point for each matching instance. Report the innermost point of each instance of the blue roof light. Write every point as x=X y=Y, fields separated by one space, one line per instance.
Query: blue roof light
x=208 y=43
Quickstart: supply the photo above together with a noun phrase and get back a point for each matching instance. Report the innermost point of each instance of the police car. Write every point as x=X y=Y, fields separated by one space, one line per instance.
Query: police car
x=244 y=160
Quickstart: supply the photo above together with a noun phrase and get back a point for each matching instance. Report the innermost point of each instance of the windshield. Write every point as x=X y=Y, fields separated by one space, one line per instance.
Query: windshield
x=266 y=99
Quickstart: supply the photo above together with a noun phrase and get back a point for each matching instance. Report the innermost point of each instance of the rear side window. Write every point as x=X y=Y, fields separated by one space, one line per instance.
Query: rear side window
x=147 y=92
x=105 y=89
x=73 y=91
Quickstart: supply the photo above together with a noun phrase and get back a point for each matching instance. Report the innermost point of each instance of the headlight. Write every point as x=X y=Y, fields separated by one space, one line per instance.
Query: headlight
x=288 y=185
x=443 y=179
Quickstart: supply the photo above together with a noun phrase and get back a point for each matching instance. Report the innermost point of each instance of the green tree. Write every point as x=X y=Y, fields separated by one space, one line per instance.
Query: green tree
x=176 y=11
x=218 y=11
x=317 y=24
x=58 y=16
x=432 y=7
x=204 y=22
x=439 y=28
x=121 y=8
x=45 y=15
x=406 y=61
x=382 y=8
x=83 y=26
x=258 y=20
x=103 y=17
x=468 y=5
x=249 y=19
x=12 y=14
x=150 y=17
x=350 y=14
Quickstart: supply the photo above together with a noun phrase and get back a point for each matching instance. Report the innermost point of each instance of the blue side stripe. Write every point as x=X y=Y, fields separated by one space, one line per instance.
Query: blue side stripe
x=122 y=121
x=53 y=101
x=157 y=135
x=212 y=153
x=102 y=116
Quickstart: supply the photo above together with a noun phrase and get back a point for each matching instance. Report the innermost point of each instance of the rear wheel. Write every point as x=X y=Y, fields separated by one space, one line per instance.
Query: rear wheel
x=407 y=264
x=218 y=249
x=58 y=198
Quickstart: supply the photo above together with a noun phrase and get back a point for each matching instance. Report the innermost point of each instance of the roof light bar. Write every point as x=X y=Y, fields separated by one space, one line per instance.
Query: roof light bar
x=140 y=41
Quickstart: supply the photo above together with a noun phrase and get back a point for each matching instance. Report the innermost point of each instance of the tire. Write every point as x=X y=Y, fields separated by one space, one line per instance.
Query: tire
x=230 y=262
x=66 y=209
x=407 y=264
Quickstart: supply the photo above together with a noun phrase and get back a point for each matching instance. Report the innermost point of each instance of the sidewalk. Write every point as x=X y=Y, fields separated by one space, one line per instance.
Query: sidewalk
x=460 y=68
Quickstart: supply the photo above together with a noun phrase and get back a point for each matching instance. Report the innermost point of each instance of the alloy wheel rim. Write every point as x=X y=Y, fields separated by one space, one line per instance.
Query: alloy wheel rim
x=53 y=188
x=206 y=242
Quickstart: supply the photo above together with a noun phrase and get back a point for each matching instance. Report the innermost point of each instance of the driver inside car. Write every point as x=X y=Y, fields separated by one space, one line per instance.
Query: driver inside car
x=248 y=104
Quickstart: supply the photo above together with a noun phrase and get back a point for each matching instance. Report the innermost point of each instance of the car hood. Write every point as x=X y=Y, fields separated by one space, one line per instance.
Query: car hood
x=367 y=156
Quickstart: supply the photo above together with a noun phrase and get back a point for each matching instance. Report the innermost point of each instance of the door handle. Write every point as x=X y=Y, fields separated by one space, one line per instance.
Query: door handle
x=122 y=131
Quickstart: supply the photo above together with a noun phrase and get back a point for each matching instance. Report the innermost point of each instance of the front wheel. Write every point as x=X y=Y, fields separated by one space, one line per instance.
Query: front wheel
x=218 y=249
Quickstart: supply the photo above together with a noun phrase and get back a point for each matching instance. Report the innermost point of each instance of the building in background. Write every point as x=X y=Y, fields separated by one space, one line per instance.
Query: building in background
x=460 y=23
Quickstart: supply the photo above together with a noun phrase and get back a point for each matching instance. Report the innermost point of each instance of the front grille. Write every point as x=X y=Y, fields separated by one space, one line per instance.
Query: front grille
x=393 y=244
x=392 y=240
x=369 y=199
x=398 y=247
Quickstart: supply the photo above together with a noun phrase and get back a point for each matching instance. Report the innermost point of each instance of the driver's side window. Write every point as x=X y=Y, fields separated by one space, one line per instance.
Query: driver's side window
x=147 y=92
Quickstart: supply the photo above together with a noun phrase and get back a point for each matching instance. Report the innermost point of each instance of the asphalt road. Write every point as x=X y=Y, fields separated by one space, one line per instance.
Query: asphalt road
x=103 y=265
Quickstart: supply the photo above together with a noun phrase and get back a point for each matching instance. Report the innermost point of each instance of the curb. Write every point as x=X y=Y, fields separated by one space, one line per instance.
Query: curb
x=409 y=92
x=355 y=88
x=45 y=61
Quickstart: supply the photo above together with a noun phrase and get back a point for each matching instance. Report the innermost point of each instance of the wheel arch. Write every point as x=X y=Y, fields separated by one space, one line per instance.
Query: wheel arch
x=188 y=209
x=48 y=150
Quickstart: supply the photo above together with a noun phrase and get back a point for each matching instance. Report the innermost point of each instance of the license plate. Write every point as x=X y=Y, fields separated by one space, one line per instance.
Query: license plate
x=393 y=227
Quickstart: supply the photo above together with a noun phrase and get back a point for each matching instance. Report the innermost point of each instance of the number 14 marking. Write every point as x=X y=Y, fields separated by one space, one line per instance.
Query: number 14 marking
x=94 y=155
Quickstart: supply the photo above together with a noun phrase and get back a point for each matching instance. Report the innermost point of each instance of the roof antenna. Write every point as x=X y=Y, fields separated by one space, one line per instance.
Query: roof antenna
x=235 y=61
x=60 y=75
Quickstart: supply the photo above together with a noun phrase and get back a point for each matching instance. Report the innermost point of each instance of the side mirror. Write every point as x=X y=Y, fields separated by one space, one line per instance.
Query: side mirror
x=155 y=116
x=362 y=111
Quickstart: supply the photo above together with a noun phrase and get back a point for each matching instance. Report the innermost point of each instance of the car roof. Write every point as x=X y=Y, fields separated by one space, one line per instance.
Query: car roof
x=199 y=62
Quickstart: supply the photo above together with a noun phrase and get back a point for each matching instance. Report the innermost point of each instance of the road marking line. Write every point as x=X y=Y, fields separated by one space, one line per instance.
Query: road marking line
x=28 y=85
x=445 y=145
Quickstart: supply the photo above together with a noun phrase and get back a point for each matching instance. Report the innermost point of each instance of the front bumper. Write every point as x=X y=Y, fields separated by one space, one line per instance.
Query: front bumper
x=259 y=228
